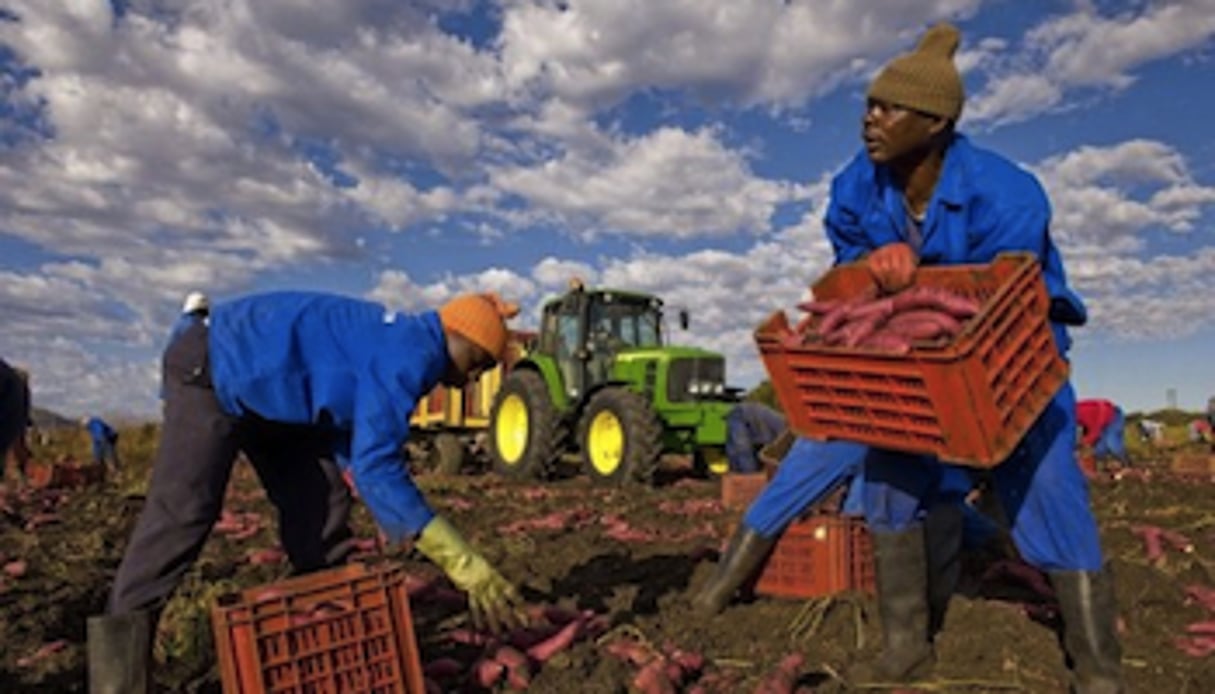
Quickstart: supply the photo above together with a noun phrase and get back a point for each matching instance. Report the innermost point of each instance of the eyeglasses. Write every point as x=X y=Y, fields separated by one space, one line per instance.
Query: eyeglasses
x=885 y=109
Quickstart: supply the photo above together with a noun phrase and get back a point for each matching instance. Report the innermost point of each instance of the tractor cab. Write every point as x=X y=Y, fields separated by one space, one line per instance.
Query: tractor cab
x=585 y=331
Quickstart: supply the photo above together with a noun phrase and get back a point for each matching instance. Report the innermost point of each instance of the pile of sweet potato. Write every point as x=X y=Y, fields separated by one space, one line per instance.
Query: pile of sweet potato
x=919 y=315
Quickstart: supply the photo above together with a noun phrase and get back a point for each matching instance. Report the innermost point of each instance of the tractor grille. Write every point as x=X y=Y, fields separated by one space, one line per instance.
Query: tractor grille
x=684 y=372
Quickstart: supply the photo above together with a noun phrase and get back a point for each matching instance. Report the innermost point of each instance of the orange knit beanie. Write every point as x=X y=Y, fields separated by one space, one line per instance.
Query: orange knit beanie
x=480 y=318
x=925 y=79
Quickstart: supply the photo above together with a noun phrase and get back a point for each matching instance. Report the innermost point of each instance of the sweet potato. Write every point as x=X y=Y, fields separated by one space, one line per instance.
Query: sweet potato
x=1151 y=541
x=510 y=657
x=653 y=679
x=556 y=643
x=16 y=568
x=1202 y=595
x=488 y=671
x=819 y=307
x=885 y=341
x=838 y=315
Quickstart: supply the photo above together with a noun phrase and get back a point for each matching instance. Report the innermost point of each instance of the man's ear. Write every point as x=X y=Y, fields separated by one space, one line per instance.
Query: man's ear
x=938 y=125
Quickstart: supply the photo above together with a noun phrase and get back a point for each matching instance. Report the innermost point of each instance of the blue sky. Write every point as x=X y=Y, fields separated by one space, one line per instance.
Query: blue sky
x=407 y=151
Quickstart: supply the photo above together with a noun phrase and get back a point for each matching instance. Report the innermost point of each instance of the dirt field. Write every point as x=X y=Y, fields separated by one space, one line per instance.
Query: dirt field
x=628 y=556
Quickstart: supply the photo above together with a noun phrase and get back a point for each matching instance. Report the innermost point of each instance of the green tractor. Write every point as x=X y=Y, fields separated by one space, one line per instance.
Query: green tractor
x=600 y=382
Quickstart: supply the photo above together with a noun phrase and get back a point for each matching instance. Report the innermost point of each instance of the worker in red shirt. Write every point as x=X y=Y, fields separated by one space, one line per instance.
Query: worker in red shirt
x=1101 y=425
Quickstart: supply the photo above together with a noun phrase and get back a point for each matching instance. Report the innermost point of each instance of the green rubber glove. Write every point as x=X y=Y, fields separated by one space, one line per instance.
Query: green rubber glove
x=492 y=600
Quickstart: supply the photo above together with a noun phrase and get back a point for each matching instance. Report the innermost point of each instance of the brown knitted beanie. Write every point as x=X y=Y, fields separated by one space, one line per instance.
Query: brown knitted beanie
x=925 y=79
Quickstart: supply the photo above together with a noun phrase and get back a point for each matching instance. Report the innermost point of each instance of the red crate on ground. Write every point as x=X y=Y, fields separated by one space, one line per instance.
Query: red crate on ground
x=63 y=475
x=739 y=489
x=342 y=631
x=819 y=555
x=967 y=402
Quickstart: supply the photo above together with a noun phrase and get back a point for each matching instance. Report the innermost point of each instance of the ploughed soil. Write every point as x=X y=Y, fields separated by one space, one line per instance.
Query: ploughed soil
x=625 y=559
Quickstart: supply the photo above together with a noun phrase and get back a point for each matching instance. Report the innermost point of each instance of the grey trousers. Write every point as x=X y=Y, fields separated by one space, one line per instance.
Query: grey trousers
x=198 y=445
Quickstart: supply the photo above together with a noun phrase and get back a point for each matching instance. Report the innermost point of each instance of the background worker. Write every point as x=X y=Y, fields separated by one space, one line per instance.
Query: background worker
x=105 y=441
x=14 y=419
x=922 y=194
x=749 y=427
x=1102 y=428
x=194 y=309
x=303 y=384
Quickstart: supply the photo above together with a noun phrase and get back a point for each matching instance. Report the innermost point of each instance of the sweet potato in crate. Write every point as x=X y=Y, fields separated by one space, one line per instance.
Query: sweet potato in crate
x=969 y=401
x=342 y=631
x=819 y=555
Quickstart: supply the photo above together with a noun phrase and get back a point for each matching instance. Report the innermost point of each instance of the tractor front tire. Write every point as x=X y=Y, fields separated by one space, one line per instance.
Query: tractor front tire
x=620 y=438
x=523 y=428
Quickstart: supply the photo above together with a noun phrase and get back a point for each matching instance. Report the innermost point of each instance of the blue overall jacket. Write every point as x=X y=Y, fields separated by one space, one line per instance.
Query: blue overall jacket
x=340 y=363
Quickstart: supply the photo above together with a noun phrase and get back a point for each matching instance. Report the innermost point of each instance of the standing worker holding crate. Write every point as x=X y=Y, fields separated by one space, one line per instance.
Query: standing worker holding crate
x=294 y=380
x=922 y=194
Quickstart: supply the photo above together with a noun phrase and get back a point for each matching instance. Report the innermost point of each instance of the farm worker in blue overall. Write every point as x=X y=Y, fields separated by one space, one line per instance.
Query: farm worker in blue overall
x=104 y=439
x=922 y=194
x=14 y=418
x=194 y=309
x=1103 y=427
x=749 y=427
x=296 y=380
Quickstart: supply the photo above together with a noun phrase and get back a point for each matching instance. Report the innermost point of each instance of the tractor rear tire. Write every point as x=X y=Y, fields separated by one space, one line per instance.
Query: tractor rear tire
x=620 y=438
x=524 y=431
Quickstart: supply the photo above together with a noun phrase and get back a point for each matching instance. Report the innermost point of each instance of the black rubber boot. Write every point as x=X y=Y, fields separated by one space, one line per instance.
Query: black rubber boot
x=901 y=564
x=746 y=551
x=120 y=653
x=1090 y=636
x=943 y=538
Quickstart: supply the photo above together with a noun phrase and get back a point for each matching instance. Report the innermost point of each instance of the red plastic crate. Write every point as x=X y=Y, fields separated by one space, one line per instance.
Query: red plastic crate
x=342 y=631
x=968 y=402
x=820 y=555
x=739 y=489
x=63 y=475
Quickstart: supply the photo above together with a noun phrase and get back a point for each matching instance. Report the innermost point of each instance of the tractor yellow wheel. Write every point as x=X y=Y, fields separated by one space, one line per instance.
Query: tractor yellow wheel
x=524 y=438
x=511 y=428
x=605 y=442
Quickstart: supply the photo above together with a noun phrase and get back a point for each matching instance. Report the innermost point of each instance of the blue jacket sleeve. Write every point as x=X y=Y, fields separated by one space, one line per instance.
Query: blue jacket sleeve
x=381 y=426
x=844 y=230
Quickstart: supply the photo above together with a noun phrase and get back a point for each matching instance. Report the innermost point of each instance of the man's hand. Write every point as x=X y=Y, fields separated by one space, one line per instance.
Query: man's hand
x=492 y=600
x=893 y=266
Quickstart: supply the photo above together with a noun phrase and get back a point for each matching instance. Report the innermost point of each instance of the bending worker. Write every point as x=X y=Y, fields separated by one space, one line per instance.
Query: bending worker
x=296 y=380
x=749 y=427
x=1102 y=427
x=922 y=194
x=104 y=439
x=14 y=418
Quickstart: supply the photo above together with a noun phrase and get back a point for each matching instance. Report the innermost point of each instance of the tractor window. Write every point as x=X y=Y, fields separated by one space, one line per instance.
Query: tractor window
x=625 y=325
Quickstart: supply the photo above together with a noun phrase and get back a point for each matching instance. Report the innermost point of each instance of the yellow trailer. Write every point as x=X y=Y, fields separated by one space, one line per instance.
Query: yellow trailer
x=448 y=421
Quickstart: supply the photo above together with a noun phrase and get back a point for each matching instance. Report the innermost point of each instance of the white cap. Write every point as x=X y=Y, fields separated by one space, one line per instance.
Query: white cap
x=195 y=301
